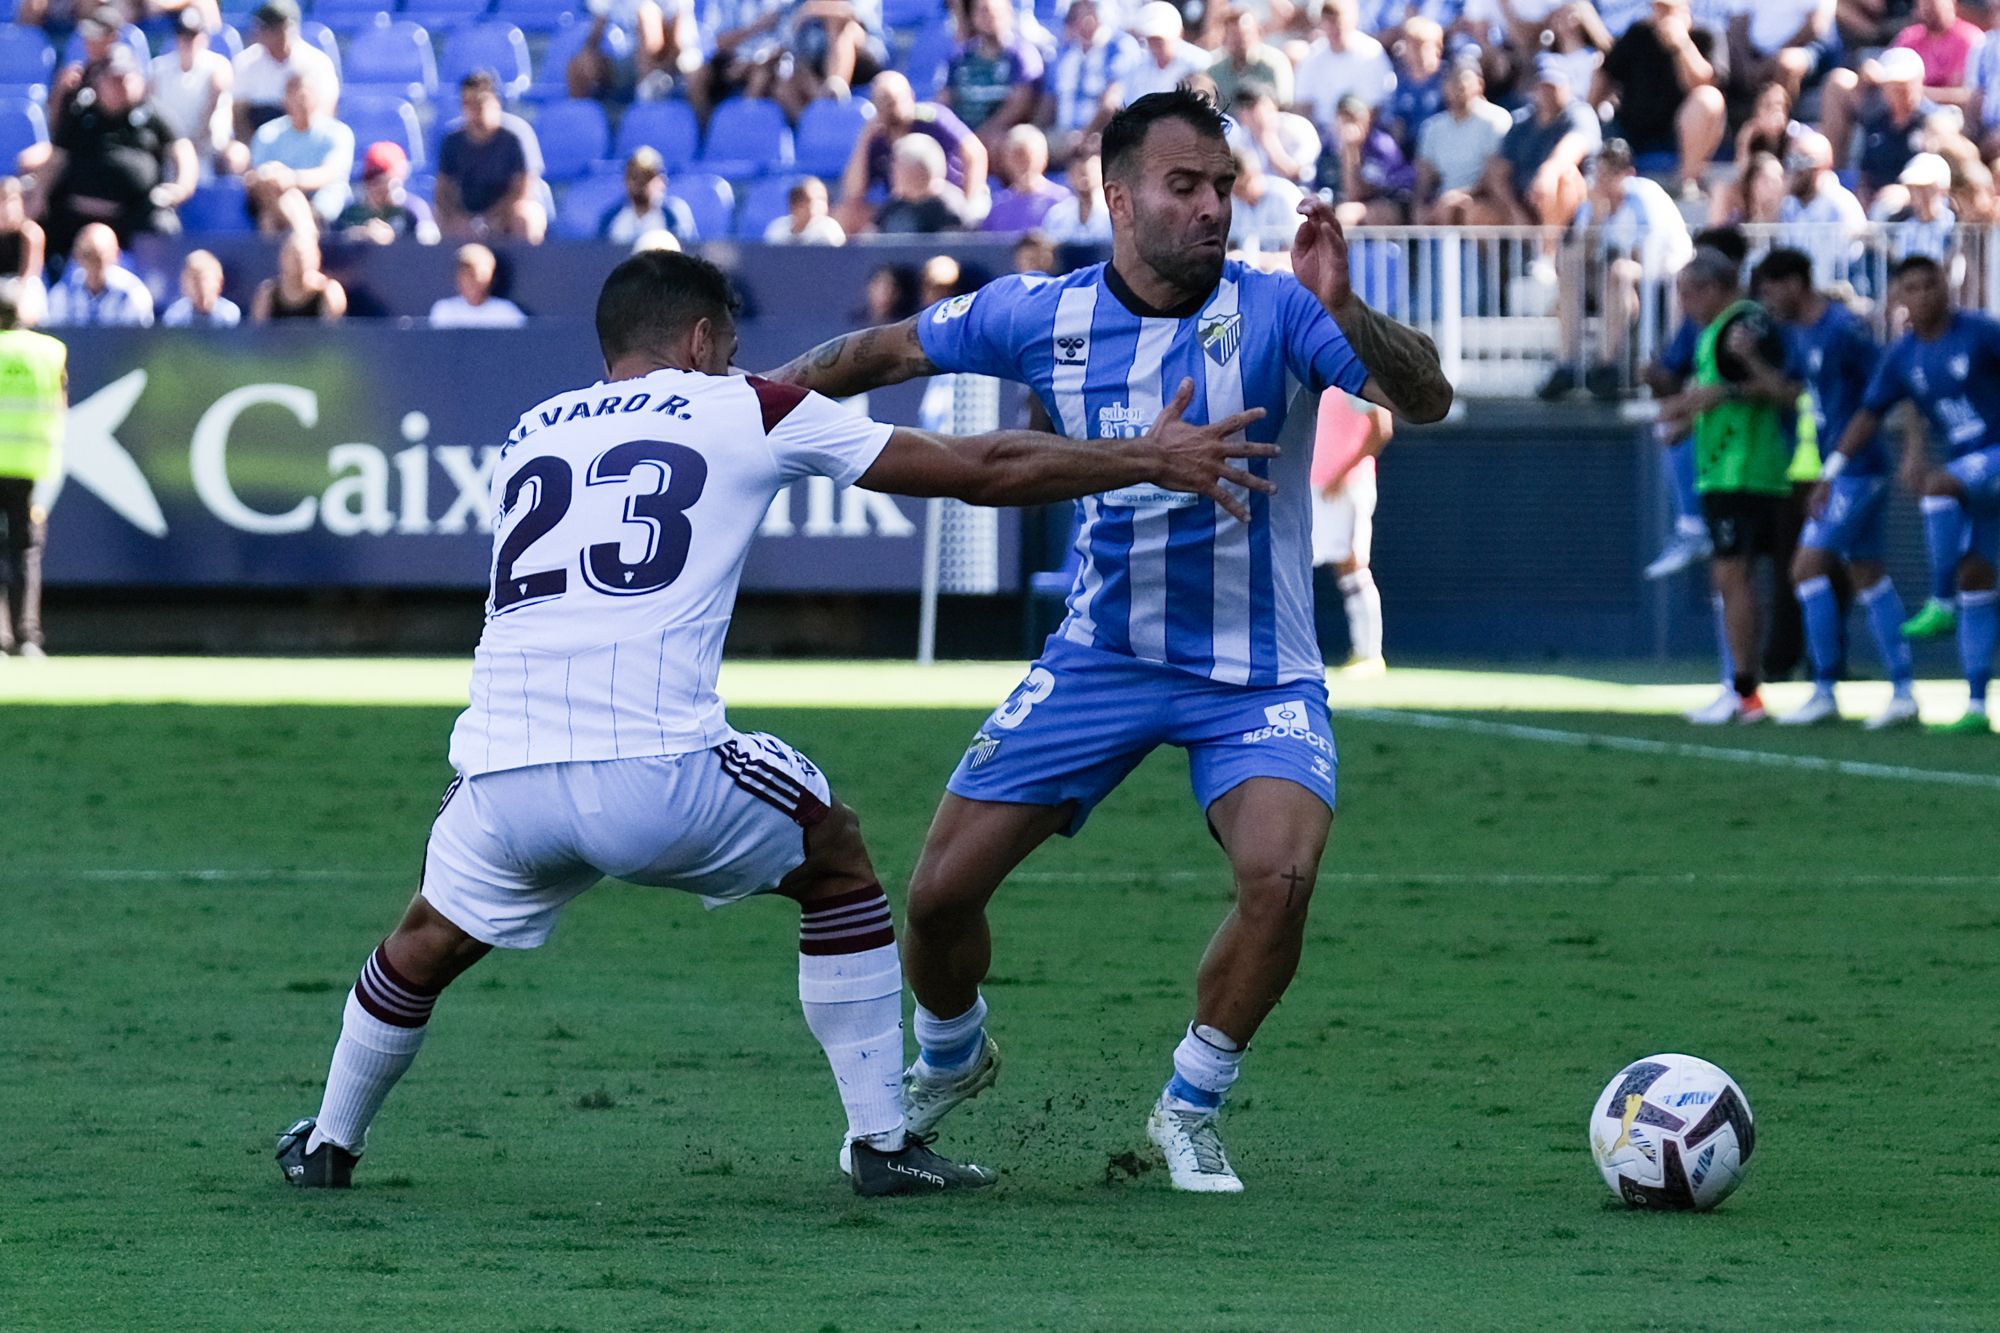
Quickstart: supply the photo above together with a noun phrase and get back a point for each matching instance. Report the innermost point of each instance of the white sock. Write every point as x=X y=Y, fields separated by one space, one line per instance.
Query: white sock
x=947 y=1045
x=1363 y=603
x=368 y=1060
x=853 y=1003
x=1205 y=1066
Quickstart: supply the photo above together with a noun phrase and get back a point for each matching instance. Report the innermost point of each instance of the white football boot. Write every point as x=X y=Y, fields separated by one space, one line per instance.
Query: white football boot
x=927 y=1100
x=1820 y=708
x=1195 y=1160
x=1728 y=707
x=1901 y=711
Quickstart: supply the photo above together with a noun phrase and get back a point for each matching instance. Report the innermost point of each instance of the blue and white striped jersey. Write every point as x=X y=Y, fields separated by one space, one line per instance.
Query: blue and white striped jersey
x=1167 y=577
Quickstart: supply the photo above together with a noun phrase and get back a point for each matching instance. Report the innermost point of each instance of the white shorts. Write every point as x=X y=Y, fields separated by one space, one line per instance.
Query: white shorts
x=1344 y=522
x=511 y=848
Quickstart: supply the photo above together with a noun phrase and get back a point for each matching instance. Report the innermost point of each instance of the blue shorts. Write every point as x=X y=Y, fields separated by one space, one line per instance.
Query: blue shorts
x=1853 y=523
x=1083 y=718
x=1979 y=473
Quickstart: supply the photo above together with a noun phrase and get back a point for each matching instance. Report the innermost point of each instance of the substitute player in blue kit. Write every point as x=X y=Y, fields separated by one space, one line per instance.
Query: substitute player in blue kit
x=1185 y=626
x=1948 y=364
x=1847 y=522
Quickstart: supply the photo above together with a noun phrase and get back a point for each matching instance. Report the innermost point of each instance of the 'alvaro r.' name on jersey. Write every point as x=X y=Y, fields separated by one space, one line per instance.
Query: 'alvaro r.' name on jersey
x=1166 y=577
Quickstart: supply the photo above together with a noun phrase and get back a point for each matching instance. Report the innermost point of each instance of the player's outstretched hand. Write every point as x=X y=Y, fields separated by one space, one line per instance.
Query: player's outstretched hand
x=1319 y=254
x=1196 y=458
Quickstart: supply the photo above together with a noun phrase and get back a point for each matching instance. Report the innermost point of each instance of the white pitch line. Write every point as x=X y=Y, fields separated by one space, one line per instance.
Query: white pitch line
x=1521 y=879
x=214 y=876
x=1590 y=740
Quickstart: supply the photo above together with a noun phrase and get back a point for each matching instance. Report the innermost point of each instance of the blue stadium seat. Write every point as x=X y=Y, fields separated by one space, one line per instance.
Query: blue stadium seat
x=747 y=136
x=552 y=79
x=22 y=125
x=443 y=15
x=318 y=34
x=826 y=134
x=497 y=46
x=26 y=58
x=376 y=119
x=391 y=56
x=131 y=36
x=217 y=206
x=226 y=40
x=911 y=13
x=668 y=127
x=538 y=16
x=765 y=201
x=585 y=202
x=709 y=199
x=575 y=136
x=924 y=64
x=348 y=15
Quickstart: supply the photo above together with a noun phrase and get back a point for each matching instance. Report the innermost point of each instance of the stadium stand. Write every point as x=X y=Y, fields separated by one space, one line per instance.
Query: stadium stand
x=27 y=61
x=540 y=17
x=575 y=135
x=826 y=134
x=377 y=119
x=586 y=201
x=763 y=202
x=22 y=125
x=496 y=46
x=391 y=56
x=551 y=78
x=709 y=198
x=668 y=128
x=747 y=137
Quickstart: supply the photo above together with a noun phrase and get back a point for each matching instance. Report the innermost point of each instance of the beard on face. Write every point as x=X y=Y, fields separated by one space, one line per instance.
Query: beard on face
x=1174 y=259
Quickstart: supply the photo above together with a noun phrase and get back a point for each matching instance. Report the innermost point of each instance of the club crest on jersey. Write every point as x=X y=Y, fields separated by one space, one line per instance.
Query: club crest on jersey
x=1069 y=349
x=1220 y=336
x=952 y=309
x=983 y=749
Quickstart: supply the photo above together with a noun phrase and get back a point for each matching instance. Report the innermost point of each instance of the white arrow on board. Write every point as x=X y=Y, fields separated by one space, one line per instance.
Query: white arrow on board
x=92 y=454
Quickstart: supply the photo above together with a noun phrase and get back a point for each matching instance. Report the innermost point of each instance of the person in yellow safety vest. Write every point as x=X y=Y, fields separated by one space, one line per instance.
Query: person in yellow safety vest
x=34 y=399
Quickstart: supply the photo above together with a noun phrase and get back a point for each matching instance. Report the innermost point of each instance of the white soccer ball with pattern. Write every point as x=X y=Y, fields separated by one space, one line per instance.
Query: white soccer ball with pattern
x=1672 y=1132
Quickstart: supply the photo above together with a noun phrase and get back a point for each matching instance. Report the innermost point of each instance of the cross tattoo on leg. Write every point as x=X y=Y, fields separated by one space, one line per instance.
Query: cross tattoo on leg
x=1295 y=879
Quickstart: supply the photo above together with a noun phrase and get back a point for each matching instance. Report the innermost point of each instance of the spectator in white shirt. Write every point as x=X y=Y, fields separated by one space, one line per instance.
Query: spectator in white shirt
x=1083 y=217
x=475 y=306
x=1344 y=62
x=274 y=54
x=1633 y=233
x=1087 y=84
x=1265 y=215
x=1822 y=216
x=202 y=304
x=1168 y=59
x=97 y=291
x=190 y=87
x=1285 y=143
x=806 y=220
x=1454 y=146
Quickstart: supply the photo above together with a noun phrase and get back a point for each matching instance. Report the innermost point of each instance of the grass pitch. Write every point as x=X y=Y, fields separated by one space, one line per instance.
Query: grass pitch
x=632 y=1127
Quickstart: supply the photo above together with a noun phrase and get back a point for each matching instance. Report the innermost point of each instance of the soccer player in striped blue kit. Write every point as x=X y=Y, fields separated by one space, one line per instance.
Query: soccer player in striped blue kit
x=1185 y=627
x=1852 y=499
x=1948 y=364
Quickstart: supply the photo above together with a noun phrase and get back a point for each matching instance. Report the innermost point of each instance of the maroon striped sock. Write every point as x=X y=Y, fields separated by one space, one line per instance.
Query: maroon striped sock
x=849 y=923
x=389 y=996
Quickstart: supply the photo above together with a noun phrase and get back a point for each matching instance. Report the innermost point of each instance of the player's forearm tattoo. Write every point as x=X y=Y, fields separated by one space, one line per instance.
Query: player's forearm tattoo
x=857 y=362
x=1402 y=360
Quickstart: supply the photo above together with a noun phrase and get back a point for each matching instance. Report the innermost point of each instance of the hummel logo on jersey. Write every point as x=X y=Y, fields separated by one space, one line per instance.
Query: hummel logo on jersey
x=952 y=309
x=1220 y=337
x=1069 y=351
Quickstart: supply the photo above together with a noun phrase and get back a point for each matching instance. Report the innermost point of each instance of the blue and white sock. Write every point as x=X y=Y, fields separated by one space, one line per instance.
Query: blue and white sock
x=1679 y=460
x=1978 y=631
x=1205 y=1065
x=1728 y=658
x=949 y=1045
x=1884 y=608
x=1821 y=612
x=1944 y=538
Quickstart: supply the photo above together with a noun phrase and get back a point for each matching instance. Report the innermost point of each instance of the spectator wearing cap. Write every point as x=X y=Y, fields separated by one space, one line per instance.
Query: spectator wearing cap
x=1084 y=217
x=190 y=86
x=1632 y=234
x=806 y=220
x=898 y=114
x=1893 y=132
x=202 y=304
x=273 y=55
x=1940 y=62
x=475 y=306
x=994 y=79
x=385 y=212
x=1789 y=42
x=489 y=170
x=1343 y=62
x=1918 y=208
x=1454 y=146
x=1372 y=179
x=1246 y=58
x=103 y=31
x=113 y=161
x=300 y=165
x=1264 y=211
x=97 y=291
x=1166 y=58
x=646 y=206
x=1087 y=82
x=1662 y=80
x=1537 y=176
x=1286 y=144
x=921 y=201
x=662 y=36
x=1028 y=195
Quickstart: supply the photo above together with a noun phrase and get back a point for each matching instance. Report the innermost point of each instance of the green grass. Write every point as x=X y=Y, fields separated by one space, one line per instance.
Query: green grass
x=632 y=1128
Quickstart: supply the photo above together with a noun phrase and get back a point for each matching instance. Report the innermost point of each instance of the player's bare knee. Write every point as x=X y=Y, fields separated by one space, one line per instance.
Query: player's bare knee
x=1275 y=892
x=1941 y=483
x=1810 y=563
x=837 y=858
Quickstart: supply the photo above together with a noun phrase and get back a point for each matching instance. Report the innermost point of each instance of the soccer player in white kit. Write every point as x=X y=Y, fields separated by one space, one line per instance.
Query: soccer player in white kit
x=595 y=744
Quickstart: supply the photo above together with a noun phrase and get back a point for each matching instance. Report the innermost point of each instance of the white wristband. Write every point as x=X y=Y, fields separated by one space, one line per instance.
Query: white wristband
x=1832 y=466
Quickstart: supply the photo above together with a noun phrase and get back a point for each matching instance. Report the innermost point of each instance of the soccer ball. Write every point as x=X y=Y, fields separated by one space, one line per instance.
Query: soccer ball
x=1672 y=1132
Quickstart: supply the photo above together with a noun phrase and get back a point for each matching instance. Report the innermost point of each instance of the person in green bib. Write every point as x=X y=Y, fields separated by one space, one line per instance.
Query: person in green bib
x=34 y=399
x=1742 y=407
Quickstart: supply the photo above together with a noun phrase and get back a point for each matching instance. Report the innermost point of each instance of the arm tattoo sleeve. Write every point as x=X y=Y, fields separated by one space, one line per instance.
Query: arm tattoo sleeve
x=857 y=362
x=1401 y=360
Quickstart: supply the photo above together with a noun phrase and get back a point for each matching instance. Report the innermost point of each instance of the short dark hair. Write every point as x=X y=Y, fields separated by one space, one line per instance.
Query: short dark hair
x=479 y=81
x=1712 y=266
x=1615 y=154
x=1124 y=132
x=1914 y=264
x=1783 y=265
x=654 y=296
x=1728 y=239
